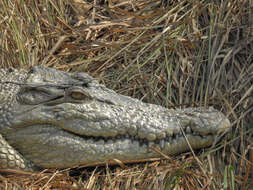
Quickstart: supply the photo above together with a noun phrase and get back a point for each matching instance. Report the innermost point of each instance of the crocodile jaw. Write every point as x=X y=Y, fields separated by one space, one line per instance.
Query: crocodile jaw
x=69 y=135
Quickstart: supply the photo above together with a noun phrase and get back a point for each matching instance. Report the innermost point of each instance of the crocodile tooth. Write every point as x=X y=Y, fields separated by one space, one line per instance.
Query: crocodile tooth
x=162 y=144
x=169 y=132
x=141 y=135
x=176 y=129
x=167 y=146
x=161 y=135
x=188 y=130
x=151 y=137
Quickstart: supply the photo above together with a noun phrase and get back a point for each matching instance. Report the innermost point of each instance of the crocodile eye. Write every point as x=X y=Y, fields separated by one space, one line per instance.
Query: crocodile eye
x=78 y=95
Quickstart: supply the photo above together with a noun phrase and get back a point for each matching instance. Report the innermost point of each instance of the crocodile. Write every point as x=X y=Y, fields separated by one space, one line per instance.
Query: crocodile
x=55 y=119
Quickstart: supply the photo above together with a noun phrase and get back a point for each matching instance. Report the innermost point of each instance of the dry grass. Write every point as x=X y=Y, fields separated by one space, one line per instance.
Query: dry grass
x=166 y=174
x=172 y=53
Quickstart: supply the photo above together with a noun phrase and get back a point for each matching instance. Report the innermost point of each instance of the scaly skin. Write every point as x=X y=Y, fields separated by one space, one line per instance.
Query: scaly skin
x=53 y=119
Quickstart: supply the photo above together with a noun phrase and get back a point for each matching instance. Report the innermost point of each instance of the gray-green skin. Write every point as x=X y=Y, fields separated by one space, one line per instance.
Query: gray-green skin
x=54 y=119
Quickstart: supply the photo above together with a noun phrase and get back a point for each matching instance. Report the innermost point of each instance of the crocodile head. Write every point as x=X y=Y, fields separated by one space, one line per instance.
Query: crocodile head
x=60 y=120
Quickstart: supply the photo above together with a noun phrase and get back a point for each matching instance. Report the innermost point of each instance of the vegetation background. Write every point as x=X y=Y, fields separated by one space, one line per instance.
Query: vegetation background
x=177 y=53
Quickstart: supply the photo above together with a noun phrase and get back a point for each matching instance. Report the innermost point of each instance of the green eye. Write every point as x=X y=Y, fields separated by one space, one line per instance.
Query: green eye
x=78 y=95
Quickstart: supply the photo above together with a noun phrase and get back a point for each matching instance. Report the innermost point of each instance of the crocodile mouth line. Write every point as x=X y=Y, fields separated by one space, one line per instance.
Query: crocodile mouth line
x=173 y=139
x=185 y=132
